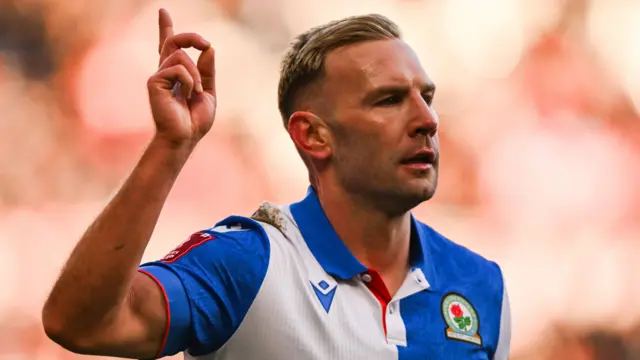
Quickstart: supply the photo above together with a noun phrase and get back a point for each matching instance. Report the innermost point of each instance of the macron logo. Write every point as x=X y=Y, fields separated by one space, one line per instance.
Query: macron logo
x=324 y=293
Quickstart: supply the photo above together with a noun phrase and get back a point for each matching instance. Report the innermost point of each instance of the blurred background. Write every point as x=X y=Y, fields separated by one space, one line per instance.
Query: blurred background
x=538 y=101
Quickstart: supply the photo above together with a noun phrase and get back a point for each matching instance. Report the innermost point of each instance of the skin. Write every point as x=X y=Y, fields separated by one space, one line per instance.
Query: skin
x=118 y=311
x=353 y=148
x=375 y=113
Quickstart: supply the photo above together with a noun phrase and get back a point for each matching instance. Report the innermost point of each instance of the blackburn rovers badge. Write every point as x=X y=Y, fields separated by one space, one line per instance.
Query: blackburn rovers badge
x=461 y=319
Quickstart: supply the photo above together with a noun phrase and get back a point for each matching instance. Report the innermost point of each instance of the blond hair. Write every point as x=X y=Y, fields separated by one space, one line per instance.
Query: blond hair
x=303 y=63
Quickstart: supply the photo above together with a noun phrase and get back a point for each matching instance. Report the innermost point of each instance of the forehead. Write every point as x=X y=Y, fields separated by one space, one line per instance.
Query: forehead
x=365 y=66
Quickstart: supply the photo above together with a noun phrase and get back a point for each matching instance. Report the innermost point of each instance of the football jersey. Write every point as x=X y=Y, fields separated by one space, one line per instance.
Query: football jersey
x=282 y=285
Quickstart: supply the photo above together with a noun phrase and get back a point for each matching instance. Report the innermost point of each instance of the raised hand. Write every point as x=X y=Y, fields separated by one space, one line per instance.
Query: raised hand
x=182 y=94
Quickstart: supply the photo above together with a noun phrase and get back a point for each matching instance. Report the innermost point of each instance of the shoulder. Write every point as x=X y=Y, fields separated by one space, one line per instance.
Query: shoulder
x=209 y=283
x=235 y=250
x=233 y=236
x=463 y=273
x=459 y=263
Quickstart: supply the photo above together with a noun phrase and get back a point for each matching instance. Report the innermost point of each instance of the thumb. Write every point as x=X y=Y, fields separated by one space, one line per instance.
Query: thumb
x=207 y=69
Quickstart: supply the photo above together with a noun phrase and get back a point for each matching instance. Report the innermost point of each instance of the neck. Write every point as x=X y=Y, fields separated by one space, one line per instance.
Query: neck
x=377 y=240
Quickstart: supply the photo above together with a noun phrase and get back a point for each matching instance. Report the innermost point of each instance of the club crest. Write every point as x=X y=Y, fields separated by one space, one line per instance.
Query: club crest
x=461 y=319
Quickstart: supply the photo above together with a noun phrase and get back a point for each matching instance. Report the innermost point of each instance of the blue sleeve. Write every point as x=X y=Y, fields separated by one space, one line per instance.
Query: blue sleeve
x=209 y=282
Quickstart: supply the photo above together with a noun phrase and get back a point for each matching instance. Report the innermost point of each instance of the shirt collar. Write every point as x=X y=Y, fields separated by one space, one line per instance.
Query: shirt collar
x=333 y=255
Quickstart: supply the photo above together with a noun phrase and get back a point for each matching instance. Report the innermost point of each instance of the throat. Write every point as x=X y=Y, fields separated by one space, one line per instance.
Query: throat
x=394 y=278
x=388 y=258
x=379 y=241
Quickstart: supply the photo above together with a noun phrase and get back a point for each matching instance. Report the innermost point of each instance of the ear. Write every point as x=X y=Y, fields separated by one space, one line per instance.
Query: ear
x=310 y=134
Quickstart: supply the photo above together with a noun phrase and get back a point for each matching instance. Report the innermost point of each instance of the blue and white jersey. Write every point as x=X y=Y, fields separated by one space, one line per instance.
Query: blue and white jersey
x=282 y=285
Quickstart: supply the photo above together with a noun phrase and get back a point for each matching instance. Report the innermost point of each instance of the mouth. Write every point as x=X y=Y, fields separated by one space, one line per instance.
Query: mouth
x=422 y=160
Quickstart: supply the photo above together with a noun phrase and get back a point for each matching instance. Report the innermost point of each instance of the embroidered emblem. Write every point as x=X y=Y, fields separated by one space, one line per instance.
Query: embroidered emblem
x=193 y=241
x=461 y=319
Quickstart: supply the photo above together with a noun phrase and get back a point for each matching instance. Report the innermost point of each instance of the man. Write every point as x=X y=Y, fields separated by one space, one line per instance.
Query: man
x=347 y=273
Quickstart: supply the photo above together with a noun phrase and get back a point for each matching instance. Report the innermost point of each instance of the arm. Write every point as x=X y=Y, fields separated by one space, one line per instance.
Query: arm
x=101 y=304
x=201 y=290
x=504 y=339
x=209 y=283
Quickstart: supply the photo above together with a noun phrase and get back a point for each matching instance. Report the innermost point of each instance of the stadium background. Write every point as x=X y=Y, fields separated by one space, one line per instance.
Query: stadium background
x=540 y=142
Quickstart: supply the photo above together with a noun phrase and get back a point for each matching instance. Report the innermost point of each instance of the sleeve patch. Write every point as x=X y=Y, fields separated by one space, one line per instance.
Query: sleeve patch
x=193 y=241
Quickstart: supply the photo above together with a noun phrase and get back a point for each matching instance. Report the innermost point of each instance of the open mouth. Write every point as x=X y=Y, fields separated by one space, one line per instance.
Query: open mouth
x=422 y=160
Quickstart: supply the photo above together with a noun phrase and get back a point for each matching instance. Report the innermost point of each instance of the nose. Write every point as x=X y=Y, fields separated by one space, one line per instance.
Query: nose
x=424 y=120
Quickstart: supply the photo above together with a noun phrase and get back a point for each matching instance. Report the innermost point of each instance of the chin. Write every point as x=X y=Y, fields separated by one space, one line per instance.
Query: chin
x=420 y=183
x=421 y=191
x=424 y=187
x=427 y=193
x=423 y=194
x=404 y=198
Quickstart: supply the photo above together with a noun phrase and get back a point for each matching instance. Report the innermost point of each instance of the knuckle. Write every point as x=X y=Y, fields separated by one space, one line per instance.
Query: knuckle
x=181 y=38
x=158 y=74
x=185 y=73
x=171 y=39
x=153 y=79
x=172 y=58
x=177 y=57
x=181 y=57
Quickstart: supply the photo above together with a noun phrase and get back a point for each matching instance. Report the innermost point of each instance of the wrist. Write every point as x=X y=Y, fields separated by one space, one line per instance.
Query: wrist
x=167 y=144
x=170 y=155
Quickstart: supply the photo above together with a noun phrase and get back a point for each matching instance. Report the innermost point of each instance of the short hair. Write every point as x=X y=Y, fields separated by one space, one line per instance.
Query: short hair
x=303 y=62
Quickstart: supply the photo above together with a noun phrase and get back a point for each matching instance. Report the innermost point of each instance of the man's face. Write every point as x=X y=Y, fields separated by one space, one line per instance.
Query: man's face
x=384 y=130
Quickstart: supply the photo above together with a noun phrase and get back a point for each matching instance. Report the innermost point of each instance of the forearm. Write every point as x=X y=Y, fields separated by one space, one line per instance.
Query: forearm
x=97 y=276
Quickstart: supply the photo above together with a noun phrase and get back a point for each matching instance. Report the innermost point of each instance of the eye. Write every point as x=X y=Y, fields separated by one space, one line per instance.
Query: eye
x=428 y=97
x=390 y=101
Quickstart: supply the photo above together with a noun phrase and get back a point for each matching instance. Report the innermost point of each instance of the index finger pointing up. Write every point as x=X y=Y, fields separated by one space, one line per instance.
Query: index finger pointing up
x=165 y=25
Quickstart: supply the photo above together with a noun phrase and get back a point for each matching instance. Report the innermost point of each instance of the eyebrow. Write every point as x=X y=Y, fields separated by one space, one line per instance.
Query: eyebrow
x=396 y=89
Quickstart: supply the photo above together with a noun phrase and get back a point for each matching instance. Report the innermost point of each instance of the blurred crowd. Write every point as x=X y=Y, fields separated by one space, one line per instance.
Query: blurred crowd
x=540 y=137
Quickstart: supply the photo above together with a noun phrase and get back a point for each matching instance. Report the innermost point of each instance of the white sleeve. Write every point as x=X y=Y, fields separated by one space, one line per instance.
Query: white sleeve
x=504 y=338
